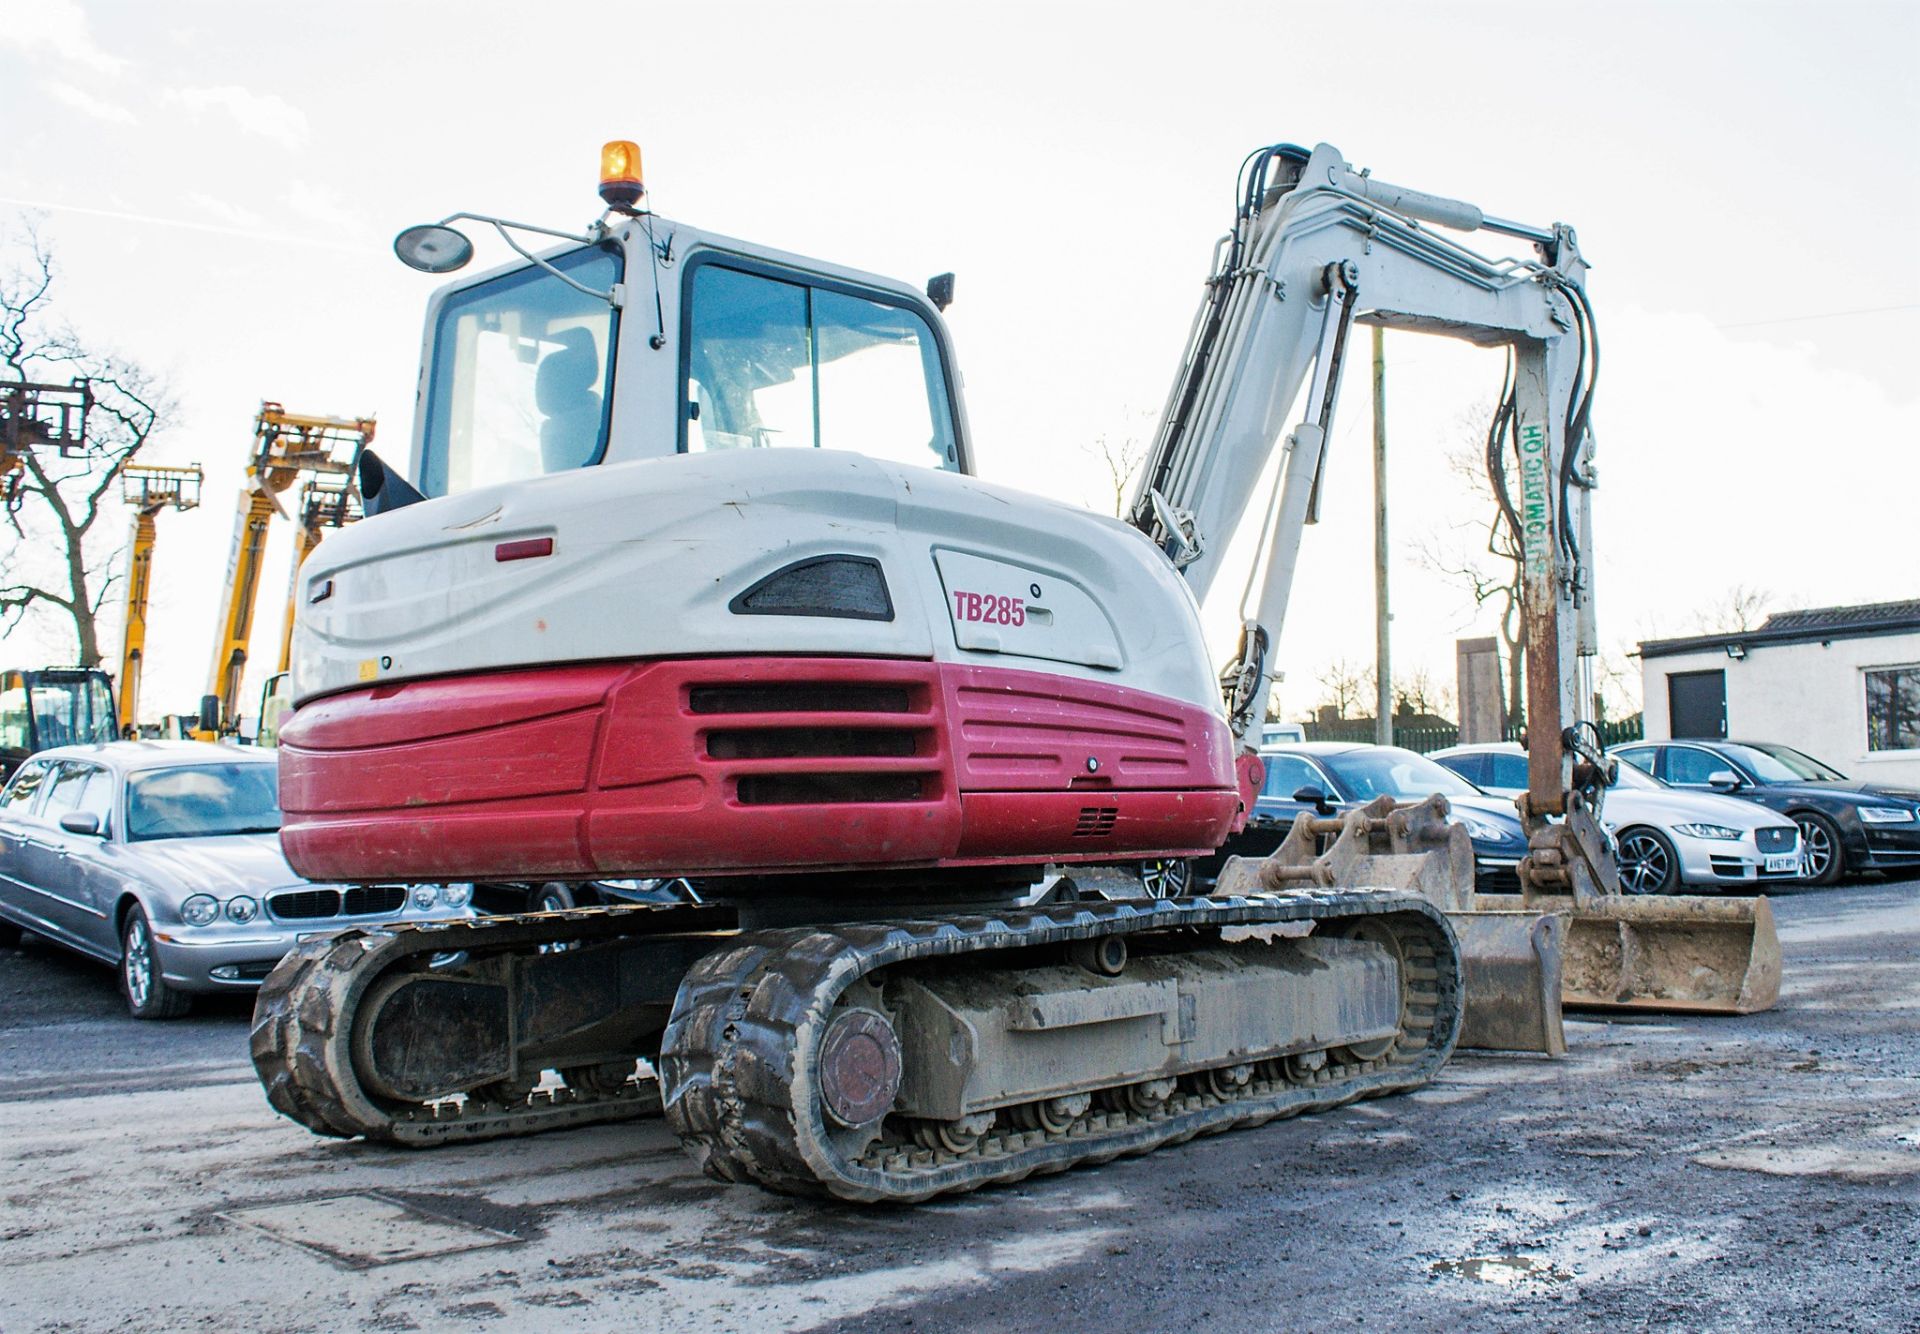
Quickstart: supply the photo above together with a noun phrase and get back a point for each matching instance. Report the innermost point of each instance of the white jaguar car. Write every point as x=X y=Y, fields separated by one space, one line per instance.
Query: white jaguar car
x=1667 y=838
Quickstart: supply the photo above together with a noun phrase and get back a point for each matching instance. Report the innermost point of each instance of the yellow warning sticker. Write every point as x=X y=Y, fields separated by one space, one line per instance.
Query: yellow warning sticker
x=370 y=669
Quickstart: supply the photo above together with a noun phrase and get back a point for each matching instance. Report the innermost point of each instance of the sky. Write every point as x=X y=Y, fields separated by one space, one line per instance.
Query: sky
x=221 y=181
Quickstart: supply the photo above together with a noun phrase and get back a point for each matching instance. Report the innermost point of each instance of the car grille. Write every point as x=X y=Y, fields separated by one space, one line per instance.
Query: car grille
x=1776 y=839
x=1497 y=880
x=361 y=901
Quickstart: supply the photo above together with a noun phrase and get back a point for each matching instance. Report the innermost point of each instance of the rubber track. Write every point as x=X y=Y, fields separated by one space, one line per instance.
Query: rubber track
x=302 y=1030
x=736 y=1061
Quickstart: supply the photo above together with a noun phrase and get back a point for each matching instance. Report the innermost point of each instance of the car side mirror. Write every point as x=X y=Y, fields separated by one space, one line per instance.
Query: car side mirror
x=1315 y=798
x=1724 y=780
x=81 y=822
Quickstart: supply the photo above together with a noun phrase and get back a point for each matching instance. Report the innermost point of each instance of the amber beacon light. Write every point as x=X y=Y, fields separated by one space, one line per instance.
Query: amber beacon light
x=620 y=183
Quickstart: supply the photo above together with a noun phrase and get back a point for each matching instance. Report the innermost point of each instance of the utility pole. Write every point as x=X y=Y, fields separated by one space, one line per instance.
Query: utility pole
x=1382 y=657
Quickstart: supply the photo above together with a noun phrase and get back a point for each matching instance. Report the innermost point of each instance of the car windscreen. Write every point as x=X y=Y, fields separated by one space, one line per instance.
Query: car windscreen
x=203 y=800
x=1390 y=771
x=1783 y=764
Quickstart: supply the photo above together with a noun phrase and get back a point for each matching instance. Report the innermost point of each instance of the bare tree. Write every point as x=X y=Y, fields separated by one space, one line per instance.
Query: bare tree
x=1122 y=462
x=1741 y=609
x=1344 y=686
x=1492 y=577
x=48 y=564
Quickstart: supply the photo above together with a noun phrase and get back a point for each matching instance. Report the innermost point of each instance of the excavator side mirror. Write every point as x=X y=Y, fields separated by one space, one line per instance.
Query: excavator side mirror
x=940 y=290
x=381 y=488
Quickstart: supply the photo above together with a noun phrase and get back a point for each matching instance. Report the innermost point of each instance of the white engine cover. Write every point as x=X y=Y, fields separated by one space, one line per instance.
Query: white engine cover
x=646 y=556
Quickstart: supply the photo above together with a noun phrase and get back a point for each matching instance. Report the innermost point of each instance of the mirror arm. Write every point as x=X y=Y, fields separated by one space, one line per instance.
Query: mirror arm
x=612 y=296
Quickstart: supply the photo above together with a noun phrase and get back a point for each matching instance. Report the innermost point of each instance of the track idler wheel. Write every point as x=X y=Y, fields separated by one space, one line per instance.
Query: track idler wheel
x=955 y=1137
x=1054 y=1116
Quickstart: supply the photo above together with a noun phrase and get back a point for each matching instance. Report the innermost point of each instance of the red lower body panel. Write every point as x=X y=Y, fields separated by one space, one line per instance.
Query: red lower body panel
x=712 y=766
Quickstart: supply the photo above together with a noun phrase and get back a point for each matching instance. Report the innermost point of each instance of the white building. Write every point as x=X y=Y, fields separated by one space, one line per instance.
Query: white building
x=1839 y=683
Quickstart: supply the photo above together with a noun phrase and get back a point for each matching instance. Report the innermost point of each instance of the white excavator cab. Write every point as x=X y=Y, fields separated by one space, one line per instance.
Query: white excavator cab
x=659 y=339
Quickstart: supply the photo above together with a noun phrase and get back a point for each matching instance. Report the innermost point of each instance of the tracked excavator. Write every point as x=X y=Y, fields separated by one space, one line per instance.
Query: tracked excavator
x=691 y=576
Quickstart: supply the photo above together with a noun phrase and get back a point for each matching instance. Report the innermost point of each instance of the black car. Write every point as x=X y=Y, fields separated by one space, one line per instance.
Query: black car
x=1845 y=826
x=1335 y=776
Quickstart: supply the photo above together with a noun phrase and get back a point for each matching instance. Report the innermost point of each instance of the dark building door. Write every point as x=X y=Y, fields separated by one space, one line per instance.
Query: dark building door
x=1697 y=704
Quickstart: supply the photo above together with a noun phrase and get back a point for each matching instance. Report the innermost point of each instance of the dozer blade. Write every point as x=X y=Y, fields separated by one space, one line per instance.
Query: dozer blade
x=1511 y=960
x=1685 y=954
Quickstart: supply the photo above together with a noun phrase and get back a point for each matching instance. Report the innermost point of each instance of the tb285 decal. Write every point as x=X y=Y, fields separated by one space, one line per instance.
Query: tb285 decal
x=989 y=608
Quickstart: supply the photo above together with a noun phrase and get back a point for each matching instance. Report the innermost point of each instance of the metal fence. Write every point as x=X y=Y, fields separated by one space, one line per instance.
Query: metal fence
x=1425 y=739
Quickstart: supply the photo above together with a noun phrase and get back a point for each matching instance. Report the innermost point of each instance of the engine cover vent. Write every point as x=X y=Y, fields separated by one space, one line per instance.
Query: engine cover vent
x=1095 y=821
x=852 y=587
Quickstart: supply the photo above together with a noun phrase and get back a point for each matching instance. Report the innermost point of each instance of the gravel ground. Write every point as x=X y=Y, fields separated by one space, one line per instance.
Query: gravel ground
x=1741 y=1174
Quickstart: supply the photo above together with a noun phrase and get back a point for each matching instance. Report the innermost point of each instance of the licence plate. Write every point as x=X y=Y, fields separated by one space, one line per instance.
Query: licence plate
x=1784 y=861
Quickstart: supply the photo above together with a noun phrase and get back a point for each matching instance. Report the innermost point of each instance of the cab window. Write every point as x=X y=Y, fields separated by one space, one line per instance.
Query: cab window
x=774 y=362
x=521 y=376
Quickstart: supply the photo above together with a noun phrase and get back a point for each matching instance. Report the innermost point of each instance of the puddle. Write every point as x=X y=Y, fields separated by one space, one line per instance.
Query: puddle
x=1508 y=1271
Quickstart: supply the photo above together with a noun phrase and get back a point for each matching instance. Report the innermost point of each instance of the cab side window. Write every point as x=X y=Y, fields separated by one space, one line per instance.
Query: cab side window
x=776 y=363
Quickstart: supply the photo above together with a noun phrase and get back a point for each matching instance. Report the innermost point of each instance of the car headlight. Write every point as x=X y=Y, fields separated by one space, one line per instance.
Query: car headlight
x=1484 y=832
x=423 y=897
x=242 y=909
x=1706 y=831
x=456 y=896
x=1887 y=815
x=200 y=910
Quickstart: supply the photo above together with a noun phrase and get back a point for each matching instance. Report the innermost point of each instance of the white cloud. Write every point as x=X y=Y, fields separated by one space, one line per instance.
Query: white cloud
x=87 y=104
x=327 y=206
x=58 y=27
x=233 y=215
x=265 y=114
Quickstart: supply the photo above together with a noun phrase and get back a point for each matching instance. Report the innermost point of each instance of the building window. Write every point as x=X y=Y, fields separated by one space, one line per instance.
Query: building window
x=1893 y=709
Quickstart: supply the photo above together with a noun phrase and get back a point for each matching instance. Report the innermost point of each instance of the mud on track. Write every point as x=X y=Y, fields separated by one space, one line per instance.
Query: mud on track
x=1756 y=1173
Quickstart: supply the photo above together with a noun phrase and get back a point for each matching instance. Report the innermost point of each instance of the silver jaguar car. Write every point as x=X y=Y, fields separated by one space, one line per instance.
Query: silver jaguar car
x=163 y=858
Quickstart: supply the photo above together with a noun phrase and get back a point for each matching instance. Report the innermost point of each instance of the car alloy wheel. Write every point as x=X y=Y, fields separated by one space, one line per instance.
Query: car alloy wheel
x=149 y=995
x=1647 y=863
x=136 y=964
x=1168 y=879
x=1820 y=850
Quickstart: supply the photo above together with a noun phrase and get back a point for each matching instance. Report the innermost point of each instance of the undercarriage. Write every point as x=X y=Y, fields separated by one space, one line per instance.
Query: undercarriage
x=876 y=1061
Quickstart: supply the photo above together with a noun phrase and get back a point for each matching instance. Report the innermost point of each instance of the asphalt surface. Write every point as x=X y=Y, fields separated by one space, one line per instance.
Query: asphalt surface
x=1746 y=1174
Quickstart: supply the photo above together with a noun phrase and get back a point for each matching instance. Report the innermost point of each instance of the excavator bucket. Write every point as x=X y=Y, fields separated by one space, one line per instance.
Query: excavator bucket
x=1684 y=954
x=1511 y=957
x=1660 y=952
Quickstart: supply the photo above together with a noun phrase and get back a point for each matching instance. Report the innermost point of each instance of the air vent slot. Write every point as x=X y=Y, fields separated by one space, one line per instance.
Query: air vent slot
x=850 y=587
x=827 y=789
x=788 y=743
x=800 y=697
x=1095 y=821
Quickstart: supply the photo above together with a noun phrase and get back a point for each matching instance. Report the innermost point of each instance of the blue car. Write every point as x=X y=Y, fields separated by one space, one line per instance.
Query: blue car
x=1332 y=777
